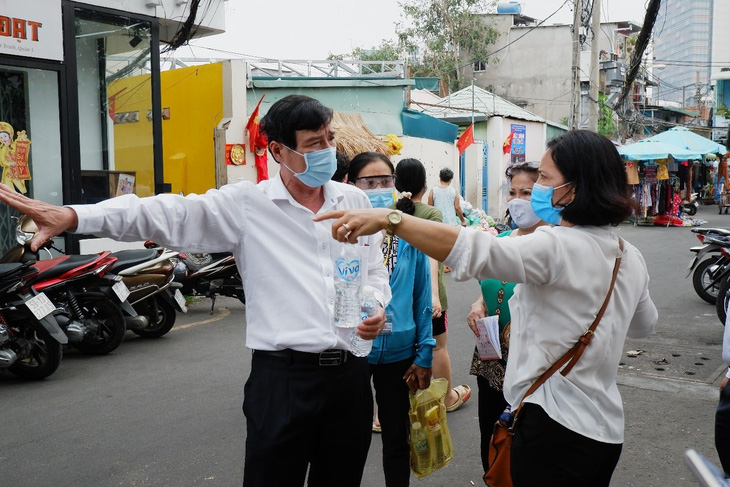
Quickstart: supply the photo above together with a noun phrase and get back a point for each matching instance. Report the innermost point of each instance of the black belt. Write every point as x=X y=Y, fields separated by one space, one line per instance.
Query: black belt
x=327 y=358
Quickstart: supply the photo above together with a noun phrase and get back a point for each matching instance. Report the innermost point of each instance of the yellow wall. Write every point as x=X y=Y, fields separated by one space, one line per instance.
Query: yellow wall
x=194 y=97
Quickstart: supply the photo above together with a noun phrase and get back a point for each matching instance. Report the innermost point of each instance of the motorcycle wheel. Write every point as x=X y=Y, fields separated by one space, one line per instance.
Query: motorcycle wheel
x=162 y=318
x=111 y=329
x=723 y=298
x=702 y=277
x=691 y=210
x=44 y=359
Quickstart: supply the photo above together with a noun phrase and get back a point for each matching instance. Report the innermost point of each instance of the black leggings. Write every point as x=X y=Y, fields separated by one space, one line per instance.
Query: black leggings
x=491 y=405
x=546 y=453
x=722 y=429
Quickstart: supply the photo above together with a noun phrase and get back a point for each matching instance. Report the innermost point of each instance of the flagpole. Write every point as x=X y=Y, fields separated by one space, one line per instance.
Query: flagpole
x=472 y=101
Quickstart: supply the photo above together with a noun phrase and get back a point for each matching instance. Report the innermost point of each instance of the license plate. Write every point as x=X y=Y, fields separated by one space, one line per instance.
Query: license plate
x=180 y=300
x=40 y=306
x=121 y=290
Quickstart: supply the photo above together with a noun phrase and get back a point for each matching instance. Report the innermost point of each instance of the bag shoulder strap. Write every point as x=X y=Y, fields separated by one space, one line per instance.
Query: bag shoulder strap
x=574 y=354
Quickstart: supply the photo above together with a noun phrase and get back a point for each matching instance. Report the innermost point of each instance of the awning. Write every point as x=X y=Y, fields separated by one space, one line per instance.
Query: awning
x=417 y=124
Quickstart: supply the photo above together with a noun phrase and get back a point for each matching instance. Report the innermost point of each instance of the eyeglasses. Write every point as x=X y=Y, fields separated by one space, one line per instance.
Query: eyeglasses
x=372 y=182
x=522 y=166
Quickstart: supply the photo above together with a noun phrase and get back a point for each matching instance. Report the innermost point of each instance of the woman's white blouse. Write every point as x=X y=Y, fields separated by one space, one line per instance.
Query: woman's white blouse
x=564 y=275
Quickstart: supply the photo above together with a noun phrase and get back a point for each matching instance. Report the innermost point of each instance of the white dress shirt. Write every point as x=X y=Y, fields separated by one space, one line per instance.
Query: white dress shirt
x=285 y=259
x=565 y=274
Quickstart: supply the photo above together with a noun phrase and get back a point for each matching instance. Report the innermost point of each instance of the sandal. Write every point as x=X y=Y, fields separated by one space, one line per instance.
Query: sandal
x=463 y=393
x=376 y=427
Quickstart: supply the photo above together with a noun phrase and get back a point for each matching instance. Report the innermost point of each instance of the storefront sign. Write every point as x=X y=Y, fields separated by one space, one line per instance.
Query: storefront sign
x=517 y=151
x=31 y=29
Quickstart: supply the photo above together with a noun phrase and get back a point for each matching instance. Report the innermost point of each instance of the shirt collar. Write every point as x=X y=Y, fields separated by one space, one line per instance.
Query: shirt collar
x=332 y=193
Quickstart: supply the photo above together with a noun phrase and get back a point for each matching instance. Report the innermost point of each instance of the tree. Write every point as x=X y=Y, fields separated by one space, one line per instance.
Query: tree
x=606 y=125
x=387 y=51
x=452 y=35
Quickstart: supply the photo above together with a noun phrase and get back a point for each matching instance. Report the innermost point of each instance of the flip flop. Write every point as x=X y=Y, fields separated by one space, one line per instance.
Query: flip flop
x=463 y=393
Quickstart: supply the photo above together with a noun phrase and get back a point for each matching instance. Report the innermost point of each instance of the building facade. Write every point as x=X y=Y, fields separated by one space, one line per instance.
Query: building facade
x=69 y=128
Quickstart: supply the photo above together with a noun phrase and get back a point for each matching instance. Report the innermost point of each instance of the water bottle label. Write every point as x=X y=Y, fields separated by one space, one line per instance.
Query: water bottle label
x=348 y=270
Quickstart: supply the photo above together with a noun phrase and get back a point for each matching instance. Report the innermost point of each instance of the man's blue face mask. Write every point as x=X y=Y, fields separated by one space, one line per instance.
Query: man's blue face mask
x=321 y=165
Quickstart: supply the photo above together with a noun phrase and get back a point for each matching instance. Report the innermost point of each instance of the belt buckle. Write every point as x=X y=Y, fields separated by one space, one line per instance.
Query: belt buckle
x=330 y=358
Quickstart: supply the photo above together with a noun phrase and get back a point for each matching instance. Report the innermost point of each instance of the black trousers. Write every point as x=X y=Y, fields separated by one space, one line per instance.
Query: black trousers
x=722 y=429
x=391 y=394
x=547 y=454
x=301 y=415
x=491 y=404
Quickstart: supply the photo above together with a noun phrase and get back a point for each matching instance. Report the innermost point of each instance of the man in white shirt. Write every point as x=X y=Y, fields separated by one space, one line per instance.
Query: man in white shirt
x=307 y=402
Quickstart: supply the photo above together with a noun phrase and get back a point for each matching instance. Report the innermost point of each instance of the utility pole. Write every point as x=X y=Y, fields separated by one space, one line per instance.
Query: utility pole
x=575 y=98
x=593 y=107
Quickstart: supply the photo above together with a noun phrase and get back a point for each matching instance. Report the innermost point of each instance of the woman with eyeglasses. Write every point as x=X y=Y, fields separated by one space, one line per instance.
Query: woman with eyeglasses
x=570 y=431
x=403 y=350
x=493 y=301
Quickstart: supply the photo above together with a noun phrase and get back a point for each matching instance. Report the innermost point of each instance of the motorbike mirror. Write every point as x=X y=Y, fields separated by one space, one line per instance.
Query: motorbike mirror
x=26 y=230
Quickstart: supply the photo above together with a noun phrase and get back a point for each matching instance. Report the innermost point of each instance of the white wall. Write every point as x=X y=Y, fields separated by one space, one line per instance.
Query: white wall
x=434 y=155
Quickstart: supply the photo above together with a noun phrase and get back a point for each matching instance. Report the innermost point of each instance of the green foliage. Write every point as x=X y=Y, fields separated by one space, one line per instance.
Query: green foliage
x=606 y=124
x=450 y=34
x=565 y=121
x=387 y=51
x=723 y=111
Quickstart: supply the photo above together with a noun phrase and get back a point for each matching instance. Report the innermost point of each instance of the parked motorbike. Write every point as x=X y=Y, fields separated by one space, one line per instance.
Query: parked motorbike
x=88 y=302
x=148 y=274
x=209 y=275
x=30 y=337
x=709 y=266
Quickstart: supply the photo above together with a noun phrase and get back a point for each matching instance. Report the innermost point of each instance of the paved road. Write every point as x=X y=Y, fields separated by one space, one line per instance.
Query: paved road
x=167 y=412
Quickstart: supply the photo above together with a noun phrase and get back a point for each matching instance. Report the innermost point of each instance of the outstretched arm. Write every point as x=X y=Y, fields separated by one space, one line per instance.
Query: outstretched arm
x=51 y=220
x=433 y=239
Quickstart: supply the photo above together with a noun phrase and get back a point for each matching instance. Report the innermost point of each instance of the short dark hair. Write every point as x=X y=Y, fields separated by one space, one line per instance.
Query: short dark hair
x=343 y=164
x=446 y=175
x=363 y=159
x=410 y=176
x=292 y=113
x=591 y=162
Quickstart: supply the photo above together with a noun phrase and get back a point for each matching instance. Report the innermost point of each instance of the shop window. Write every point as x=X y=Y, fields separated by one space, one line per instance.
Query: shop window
x=115 y=93
x=30 y=140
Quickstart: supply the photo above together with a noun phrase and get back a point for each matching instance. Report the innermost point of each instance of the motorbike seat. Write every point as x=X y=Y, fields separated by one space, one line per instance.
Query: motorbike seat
x=129 y=258
x=7 y=270
x=68 y=263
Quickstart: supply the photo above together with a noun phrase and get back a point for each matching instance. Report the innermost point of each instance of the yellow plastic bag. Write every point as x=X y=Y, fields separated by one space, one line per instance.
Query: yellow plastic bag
x=431 y=446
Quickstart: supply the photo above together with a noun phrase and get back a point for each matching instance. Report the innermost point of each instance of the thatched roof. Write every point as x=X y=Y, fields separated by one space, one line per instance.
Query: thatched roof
x=353 y=137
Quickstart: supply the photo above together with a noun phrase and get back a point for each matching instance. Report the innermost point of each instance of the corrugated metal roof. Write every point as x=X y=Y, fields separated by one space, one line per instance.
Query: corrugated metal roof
x=458 y=106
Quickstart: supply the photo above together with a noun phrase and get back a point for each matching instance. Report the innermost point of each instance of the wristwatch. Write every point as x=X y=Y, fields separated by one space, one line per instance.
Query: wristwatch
x=394 y=218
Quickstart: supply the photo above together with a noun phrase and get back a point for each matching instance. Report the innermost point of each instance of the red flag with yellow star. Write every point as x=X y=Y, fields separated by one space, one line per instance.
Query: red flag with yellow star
x=258 y=142
x=466 y=139
x=507 y=145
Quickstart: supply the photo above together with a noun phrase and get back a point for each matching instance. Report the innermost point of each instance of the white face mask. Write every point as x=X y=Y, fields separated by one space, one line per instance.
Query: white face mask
x=522 y=213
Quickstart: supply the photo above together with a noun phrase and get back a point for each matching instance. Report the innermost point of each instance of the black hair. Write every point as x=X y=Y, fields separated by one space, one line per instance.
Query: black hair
x=593 y=165
x=343 y=164
x=446 y=175
x=410 y=176
x=363 y=159
x=292 y=113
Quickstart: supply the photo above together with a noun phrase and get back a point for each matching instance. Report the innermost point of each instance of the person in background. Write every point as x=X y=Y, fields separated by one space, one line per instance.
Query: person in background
x=411 y=180
x=494 y=300
x=343 y=164
x=307 y=402
x=444 y=198
x=571 y=429
x=405 y=347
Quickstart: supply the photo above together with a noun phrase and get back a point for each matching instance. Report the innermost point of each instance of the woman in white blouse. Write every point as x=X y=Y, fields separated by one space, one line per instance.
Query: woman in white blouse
x=570 y=431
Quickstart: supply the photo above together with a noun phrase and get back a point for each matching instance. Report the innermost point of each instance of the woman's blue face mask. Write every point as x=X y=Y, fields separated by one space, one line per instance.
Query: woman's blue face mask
x=381 y=197
x=542 y=203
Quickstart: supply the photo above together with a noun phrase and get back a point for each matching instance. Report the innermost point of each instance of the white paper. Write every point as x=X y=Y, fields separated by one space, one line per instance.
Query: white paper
x=488 y=343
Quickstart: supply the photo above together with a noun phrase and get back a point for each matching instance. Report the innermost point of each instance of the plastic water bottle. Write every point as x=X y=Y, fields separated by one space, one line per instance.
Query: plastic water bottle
x=348 y=286
x=358 y=346
x=420 y=454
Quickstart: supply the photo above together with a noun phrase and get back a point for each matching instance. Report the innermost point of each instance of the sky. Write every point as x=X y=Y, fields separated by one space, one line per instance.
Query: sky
x=312 y=29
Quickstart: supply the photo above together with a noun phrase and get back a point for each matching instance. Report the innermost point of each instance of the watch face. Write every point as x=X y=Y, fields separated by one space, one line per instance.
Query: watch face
x=394 y=218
